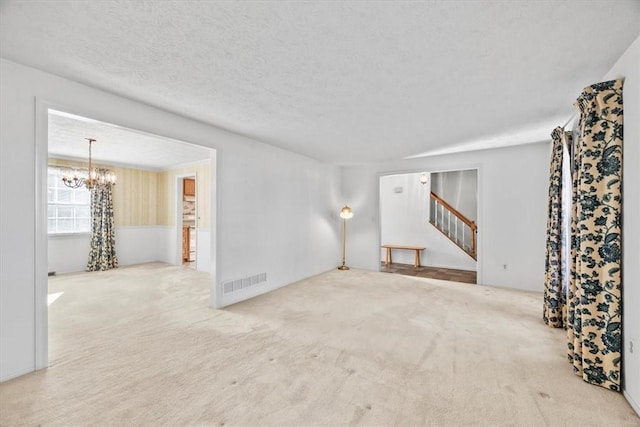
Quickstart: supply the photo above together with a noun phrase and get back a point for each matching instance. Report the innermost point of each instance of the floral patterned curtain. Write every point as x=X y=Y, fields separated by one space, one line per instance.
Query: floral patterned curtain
x=102 y=255
x=594 y=324
x=554 y=300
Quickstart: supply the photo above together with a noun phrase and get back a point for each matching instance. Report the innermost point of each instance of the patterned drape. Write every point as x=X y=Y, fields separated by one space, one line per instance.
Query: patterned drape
x=553 y=295
x=594 y=325
x=102 y=255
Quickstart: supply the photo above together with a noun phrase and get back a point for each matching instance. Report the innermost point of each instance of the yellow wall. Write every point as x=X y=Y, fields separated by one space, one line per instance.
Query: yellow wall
x=135 y=195
x=142 y=197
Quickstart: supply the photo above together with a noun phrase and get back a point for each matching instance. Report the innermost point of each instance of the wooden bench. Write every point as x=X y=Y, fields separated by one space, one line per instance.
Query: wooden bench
x=418 y=249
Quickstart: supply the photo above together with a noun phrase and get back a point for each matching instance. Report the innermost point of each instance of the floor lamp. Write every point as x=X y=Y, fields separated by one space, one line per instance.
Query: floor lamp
x=345 y=214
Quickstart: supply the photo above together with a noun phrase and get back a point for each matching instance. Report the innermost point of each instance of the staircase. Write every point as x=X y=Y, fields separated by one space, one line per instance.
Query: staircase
x=454 y=225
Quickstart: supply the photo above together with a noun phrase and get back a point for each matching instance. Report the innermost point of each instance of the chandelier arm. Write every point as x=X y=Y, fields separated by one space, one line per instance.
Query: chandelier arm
x=94 y=178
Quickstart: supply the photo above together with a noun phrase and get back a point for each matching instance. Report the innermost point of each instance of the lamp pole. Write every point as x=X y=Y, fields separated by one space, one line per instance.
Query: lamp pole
x=345 y=214
x=344 y=245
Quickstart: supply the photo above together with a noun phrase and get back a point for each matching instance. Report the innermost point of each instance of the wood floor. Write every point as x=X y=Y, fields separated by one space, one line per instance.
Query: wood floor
x=463 y=276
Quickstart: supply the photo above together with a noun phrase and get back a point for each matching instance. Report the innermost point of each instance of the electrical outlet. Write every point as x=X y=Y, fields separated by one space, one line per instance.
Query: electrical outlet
x=630 y=346
x=504 y=266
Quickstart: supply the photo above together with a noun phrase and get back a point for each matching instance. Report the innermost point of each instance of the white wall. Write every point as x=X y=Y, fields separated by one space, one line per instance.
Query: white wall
x=459 y=189
x=628 y=66
x=68 y=253
x=134 y=245
x=512 y=204
x=138 y=244
x=279 y=216
x=512 y=184
x=404 y=220
x=276 y=209
x=203 y=245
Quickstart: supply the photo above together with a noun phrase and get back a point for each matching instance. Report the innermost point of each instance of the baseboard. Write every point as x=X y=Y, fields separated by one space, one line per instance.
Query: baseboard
x=434 y=266
x=260 y=289
x=632 y=402
x=144 y=227
x=450 y=267
x=15 y=375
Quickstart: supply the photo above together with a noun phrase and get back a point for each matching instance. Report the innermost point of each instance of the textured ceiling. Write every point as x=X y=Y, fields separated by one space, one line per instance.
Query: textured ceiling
x=344 y=82
x=116 y=145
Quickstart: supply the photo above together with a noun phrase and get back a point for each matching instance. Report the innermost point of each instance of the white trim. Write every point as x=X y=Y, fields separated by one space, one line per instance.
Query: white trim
x=479 y=221
x=245 y=294
x=215 y=294
x=77 y=235
x=142 y=227
x=451 y=267
x=103 y=163
x=41 y=285
x=632 y=402
x=118 y=227
x=185 y=165
x=15 y=375
x=178 y=226
x=379 y=224
x=41 y=144
x=480 y=229
x=124 y=165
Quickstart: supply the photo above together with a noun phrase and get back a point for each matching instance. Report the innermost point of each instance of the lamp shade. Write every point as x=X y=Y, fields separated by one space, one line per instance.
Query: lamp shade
x=346 y=212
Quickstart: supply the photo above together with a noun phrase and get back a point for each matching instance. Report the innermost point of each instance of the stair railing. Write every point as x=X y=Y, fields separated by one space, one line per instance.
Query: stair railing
x=454 y=225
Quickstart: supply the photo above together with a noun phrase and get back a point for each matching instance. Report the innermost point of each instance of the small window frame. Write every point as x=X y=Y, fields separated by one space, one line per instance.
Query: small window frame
x=73 y=203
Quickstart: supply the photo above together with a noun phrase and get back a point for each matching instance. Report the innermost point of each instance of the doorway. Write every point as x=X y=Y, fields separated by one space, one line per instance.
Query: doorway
x=143 y=233
x=429 y=224
x=189 y=215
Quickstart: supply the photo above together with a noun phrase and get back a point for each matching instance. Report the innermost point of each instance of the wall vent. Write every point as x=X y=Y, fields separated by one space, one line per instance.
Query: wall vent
x=236 y=285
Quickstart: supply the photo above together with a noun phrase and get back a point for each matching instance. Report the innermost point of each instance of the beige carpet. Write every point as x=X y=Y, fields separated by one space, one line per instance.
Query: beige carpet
x=139 y=346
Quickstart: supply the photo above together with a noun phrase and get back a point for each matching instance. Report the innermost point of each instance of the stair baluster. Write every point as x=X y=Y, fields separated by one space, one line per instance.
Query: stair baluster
x=468 y=227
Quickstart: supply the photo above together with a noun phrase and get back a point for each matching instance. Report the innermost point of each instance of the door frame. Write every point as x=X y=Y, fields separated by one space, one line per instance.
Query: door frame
x=178 y=229
x=430 y=170
x=41 y=148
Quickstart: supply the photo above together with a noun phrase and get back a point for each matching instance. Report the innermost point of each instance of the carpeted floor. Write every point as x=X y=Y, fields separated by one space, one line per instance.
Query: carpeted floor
x=139 y=346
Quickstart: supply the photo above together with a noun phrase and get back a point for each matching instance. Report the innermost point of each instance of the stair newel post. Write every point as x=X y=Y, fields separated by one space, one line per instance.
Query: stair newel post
x=473 y=239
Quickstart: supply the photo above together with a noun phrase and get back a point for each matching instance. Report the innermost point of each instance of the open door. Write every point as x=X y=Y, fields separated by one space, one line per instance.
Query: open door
x=188 y=223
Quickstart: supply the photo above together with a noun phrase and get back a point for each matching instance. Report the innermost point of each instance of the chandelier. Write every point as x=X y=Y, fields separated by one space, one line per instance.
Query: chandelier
x=91 y=178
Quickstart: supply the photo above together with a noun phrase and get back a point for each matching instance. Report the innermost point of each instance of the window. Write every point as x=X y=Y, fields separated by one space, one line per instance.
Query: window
x=68 y=209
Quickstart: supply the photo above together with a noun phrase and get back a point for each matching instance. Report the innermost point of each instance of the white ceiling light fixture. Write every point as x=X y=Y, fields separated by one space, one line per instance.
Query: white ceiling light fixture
x=91 y=178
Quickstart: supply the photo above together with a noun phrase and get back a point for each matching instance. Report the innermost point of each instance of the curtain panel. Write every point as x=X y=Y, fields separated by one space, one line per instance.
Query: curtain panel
x=554 y=301
x=102 y=255
x=594 y=313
